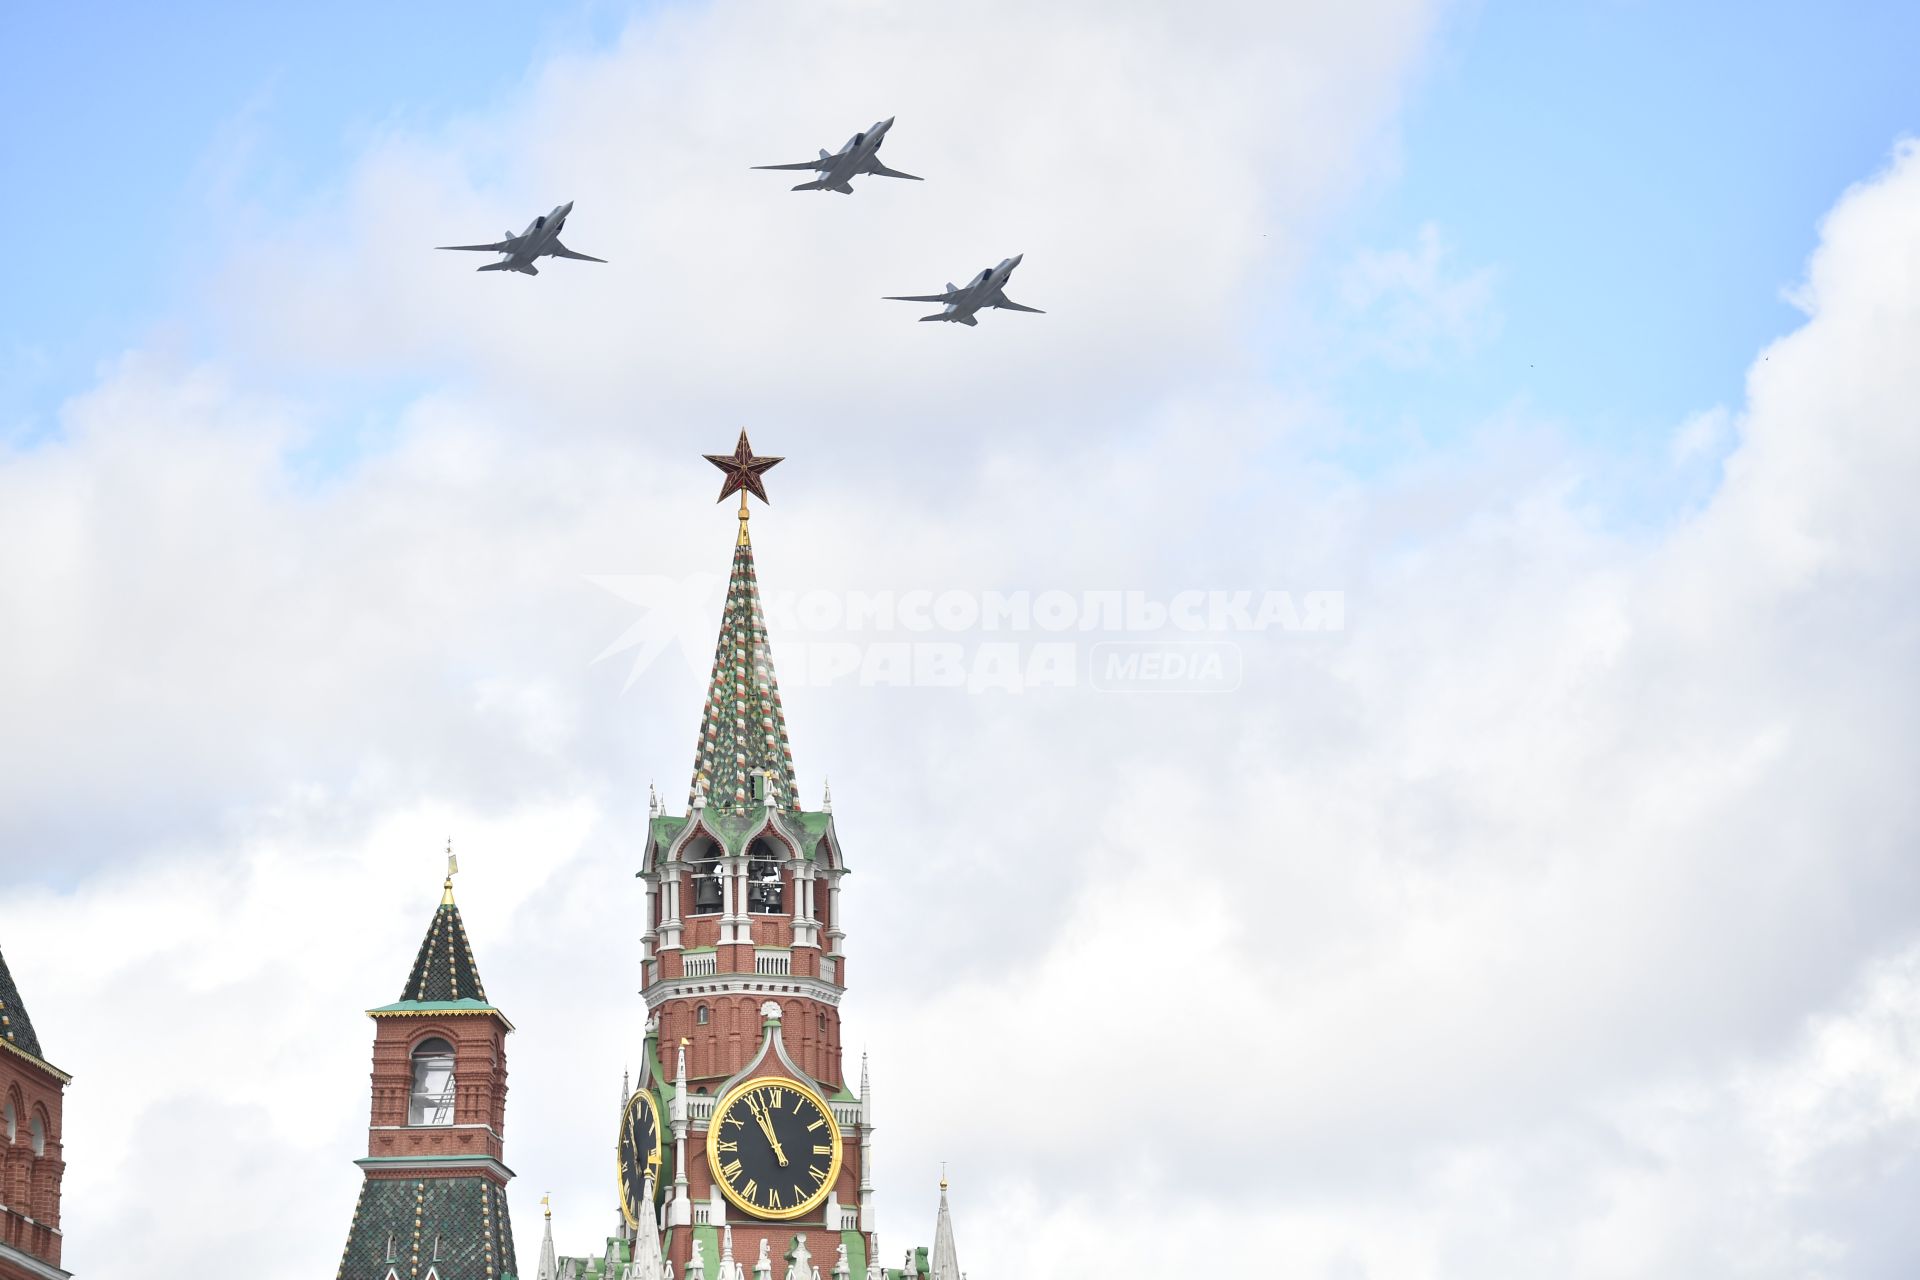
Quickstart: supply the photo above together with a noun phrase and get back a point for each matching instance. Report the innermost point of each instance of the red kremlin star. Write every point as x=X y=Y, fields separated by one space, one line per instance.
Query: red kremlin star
x=743 y=470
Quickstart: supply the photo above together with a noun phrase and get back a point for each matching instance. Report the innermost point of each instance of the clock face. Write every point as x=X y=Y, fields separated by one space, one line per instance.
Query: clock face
x=774 y=1147
x=641 y=1152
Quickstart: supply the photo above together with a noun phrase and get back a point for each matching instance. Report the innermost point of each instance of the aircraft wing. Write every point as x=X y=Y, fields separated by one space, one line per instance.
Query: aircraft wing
x=1007 y=304
x=504 y=246
x=881 y=170
x=919 y=297
x=559 y=250
x=822 y=163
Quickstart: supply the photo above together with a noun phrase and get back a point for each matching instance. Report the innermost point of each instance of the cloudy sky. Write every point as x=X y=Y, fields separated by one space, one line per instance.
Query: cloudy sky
x=1548 y=905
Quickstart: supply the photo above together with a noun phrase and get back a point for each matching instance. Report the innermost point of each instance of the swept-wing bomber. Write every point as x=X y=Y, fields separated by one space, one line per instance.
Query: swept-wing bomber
x=541 y=239
x=860 y=155
x=988 y=289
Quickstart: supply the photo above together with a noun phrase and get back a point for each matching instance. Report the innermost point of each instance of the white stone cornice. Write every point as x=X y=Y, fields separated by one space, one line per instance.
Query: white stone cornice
x=736 y=984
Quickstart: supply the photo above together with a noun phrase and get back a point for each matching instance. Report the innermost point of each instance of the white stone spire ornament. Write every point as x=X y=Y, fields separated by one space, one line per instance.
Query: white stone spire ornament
x=729 y=1269
x=869 y=1213
x=826 y=795
x=945 y=1263
x=763 y=1266
x=680 y=1211
x=549 y=1266
x=696 y=1265
x=840 y=1269
x=653 y=801
x=800 y=1261
x=648 y=1264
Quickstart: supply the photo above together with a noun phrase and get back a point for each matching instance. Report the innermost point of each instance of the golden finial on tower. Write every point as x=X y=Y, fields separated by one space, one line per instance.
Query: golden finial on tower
x=546 y=1202
x=943 y=1175
x=453 y=869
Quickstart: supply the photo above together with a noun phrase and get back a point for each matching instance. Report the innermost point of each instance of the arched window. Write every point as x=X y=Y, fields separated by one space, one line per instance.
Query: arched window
x=432 y=1098
x=700 y=1015
x=708 y=895
x=39 y=1130
x=13 y=1124
x=766 y=891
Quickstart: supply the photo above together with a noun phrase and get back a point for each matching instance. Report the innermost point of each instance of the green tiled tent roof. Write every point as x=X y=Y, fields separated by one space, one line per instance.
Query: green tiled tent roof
x=743 y=731
x=16 y=1028
x=444 y=969
x=468 y=1215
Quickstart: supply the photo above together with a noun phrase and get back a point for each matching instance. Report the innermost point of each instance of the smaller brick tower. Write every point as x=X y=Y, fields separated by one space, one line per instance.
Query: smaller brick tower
x=434 y=1204
x=31 y=1090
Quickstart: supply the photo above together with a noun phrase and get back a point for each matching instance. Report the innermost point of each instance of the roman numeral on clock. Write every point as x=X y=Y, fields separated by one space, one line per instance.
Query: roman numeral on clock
x=729 y=1146
x=730 y=1170
x=823 y=1148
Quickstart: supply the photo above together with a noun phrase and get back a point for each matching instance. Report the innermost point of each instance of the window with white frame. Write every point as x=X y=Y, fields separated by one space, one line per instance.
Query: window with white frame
x=432 y=1099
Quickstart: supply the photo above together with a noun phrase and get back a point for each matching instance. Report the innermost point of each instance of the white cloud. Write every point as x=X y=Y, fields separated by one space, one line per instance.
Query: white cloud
x=1552 y=919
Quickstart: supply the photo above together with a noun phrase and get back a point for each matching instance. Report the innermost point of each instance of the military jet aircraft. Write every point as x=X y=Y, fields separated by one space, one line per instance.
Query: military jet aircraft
x=988 y=289
x=860 y=155
x=541 y=239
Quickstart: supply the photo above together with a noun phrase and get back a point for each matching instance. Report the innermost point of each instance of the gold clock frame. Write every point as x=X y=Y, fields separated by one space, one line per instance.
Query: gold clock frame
x=658 y=1161
x=812 y=1202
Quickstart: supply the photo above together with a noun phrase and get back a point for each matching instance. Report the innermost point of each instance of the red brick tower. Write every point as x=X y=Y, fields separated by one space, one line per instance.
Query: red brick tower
x=434 y=1203
x=744 y=974
x=31 y=1090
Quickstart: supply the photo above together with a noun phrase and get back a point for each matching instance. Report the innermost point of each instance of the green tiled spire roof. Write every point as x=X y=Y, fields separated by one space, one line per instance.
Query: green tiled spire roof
x=743 y=731
x=467 y=1216
x=16 y=1028
x=444 y=969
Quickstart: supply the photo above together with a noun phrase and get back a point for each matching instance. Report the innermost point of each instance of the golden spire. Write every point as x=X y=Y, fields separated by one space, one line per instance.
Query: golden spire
x=546 y=1202
x=453 y=869
x=745 y=515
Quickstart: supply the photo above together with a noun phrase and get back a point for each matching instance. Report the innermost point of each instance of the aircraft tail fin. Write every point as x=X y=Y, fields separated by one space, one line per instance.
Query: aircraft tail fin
x=824 y=155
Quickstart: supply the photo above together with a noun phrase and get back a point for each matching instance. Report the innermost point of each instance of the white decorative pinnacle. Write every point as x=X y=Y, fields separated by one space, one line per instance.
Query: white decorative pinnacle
x=653 y=801
x=826 y=795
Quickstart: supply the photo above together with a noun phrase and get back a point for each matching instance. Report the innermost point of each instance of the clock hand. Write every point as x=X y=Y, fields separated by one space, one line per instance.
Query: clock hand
x=766 y=1126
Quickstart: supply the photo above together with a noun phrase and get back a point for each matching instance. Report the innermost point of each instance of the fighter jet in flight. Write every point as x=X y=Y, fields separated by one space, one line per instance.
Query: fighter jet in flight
x=541 y=239
x=988 y=289
x=860 y=155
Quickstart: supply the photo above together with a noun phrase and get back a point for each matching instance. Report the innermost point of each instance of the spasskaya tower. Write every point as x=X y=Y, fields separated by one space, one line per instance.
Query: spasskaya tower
x=759 y=1137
